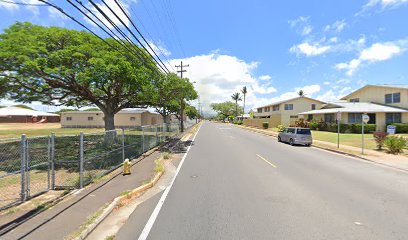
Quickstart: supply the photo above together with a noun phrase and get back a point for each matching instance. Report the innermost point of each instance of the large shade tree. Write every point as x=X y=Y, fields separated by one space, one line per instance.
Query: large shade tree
x=58 y=66
x=170 y=96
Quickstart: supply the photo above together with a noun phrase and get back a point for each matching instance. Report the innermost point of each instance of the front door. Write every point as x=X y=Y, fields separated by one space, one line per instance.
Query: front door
x=372 y=118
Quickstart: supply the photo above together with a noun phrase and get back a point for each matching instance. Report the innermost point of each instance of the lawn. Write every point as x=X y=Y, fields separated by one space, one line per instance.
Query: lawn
x=350 y=139
x=15 y=130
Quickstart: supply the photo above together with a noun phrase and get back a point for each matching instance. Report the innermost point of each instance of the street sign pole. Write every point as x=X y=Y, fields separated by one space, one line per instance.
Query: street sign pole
x=362 y=138
x=338 y=129
x=364 y=119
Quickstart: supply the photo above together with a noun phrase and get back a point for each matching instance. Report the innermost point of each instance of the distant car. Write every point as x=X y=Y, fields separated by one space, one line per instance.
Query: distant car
x=295 y=135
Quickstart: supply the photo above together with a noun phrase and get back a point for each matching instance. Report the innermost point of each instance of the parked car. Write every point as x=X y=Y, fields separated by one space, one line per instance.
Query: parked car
x=295 y=135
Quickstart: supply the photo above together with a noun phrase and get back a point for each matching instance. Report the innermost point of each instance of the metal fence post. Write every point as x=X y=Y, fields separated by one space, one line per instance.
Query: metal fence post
x=52 y=160
x=143 y=140
x=157 y=136
x=27 y=169
x=81 y=160
x=123 y=144
x=49 y=164
x=23 y=165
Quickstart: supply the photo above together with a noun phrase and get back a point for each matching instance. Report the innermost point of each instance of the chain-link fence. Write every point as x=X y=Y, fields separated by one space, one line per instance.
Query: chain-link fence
x=10 y=171
x=31 y=166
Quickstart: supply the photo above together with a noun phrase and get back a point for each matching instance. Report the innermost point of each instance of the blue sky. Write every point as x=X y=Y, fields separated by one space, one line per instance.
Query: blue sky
x=275 y=48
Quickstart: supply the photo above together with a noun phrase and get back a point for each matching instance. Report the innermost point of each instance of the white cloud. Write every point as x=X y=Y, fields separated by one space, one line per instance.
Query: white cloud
x=326 y=83
x=265 y=78
x=309 y=49
x=377 y=52
x=159 y=48
x=9 y=6
x=115 y=8
x=337 y=26
x=385 y=3
x=302 y=25
x=218 y=76
x=309 y=90
x=14 y=7
x=56 y=14
x=380 y=52
x=382 y=4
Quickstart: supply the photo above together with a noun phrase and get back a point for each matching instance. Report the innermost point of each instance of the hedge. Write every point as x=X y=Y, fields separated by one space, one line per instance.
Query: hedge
x=344 y=128
x=401 y=127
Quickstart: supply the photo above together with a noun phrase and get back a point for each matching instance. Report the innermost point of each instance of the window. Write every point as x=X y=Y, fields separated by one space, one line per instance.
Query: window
x=132 y=119
x=288 y=106
x=329 y=117
x=309 y=117
x=313 y=106
x=355 y=117
x=69 y=118
x=275 y=108
x=293 y=116
x=392 y=98
x=259 y=110
x=392 y=118
x=304 y=131
x=90 y=118
x=267 y=109
x=355 y=100
x=291 y=130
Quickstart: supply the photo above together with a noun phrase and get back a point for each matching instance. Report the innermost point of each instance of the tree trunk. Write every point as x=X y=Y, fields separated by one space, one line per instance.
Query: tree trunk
x=109 y=118
x=236 y=108
x=243 y=107
x=182 y=115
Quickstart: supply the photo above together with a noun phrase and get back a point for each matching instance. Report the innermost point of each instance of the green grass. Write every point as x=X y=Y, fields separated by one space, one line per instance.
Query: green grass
x=15 y=130
x=349 y=139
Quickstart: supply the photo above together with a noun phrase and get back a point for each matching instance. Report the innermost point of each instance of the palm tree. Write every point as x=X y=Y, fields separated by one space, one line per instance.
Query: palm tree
x=244 y=92
x=301 y=93
x=236 y=97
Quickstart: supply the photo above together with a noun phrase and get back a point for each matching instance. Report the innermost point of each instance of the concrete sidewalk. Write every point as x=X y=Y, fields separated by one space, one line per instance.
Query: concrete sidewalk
x=67 y=216
x=395 y=161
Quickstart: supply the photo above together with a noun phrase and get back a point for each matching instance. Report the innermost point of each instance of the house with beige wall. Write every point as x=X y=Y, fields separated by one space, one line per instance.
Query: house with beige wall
x=125 y=118
x=384 y=103
x=283 y=112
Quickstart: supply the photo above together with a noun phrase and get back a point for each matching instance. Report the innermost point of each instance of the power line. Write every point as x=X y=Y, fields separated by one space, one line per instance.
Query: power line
x=121 y=32
x=25 y=4
x=118 y=29
x=82 y=25
x=150 y=36
x=127 y=16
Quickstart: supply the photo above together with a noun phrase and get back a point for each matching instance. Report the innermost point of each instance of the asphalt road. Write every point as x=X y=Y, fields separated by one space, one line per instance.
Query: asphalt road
x=236 y=184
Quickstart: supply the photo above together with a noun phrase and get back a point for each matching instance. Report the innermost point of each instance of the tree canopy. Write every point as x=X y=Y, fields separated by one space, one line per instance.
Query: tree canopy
x=58 y=66
x=224 y=109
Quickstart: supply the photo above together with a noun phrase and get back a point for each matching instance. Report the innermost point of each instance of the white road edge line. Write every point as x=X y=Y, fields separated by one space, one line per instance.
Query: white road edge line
x=146 y=230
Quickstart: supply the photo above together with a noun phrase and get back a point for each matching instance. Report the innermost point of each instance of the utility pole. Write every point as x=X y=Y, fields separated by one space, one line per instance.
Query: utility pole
x=181 y=71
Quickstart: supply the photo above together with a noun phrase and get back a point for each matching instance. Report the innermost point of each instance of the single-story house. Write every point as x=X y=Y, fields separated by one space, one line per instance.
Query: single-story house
x=23 y=115
x=123 y=119
x=384 y=104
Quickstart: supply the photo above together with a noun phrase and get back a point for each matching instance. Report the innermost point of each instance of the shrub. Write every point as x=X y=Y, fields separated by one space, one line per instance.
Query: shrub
x=395 y=144
x=301 y=123
x=313 y=125
x=265 y=125
x=379 y=138
x=281 y=128
x=240 y=123
x=401 y=127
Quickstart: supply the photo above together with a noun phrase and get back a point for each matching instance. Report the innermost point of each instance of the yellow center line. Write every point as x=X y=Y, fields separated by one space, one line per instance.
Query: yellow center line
x=273 y=165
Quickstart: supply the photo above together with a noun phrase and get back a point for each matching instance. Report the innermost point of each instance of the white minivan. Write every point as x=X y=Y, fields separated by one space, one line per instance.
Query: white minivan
x=296 y=135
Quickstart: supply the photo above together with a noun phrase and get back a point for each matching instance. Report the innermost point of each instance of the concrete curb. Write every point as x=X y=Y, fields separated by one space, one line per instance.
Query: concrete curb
x=114 y=204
